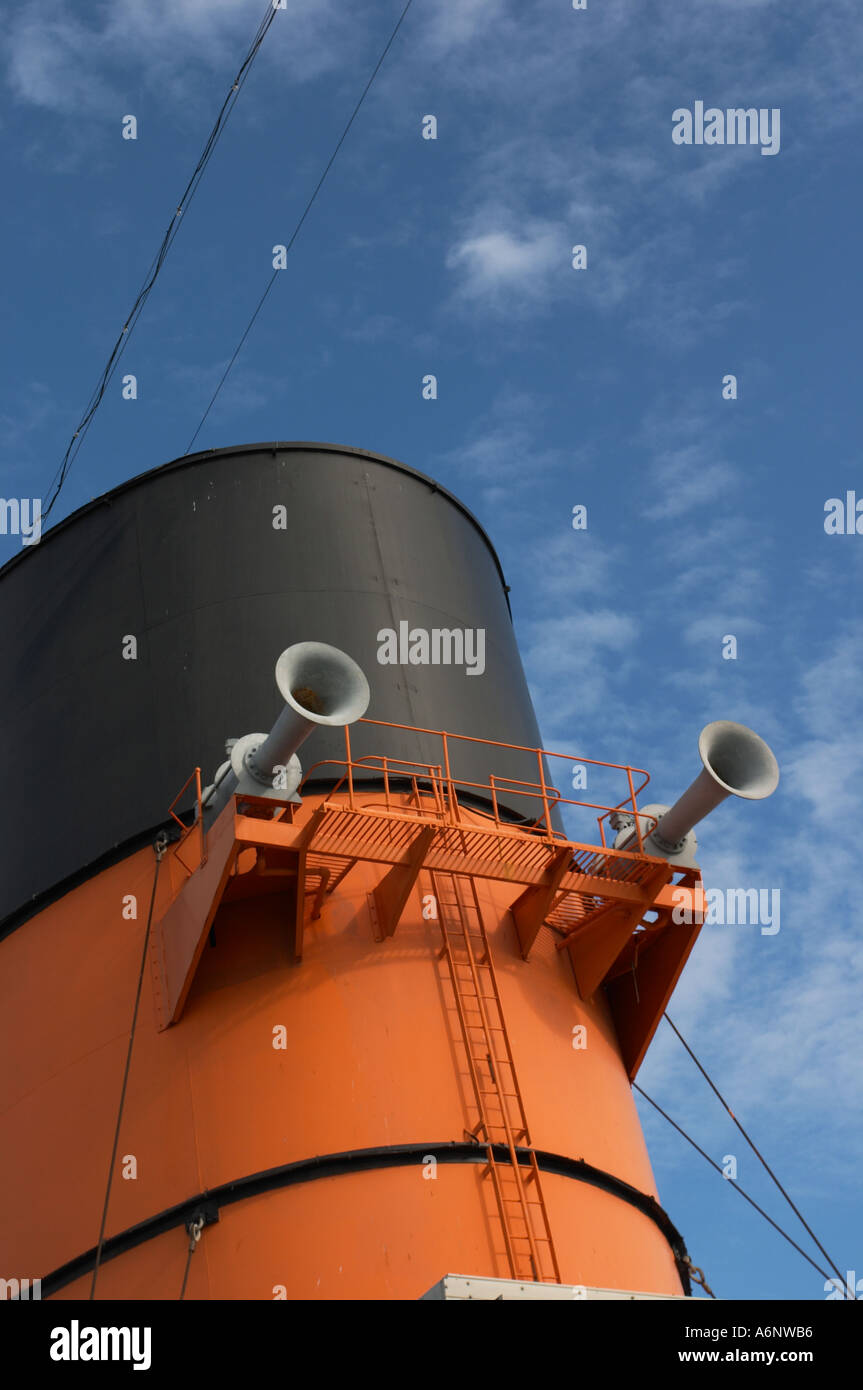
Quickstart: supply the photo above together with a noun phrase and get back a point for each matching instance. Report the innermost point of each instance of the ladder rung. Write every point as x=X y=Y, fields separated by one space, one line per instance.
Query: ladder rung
x=486 y=998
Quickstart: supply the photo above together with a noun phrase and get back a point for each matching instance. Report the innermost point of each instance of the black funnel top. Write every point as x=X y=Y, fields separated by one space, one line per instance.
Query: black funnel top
x=184 y=567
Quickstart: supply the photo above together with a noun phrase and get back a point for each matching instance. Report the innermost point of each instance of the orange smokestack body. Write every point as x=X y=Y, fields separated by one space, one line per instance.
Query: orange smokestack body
x=386 y=1033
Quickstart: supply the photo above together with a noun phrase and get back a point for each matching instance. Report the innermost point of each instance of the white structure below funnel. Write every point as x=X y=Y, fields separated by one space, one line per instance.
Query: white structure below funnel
x=736 y=763
x=320 y=685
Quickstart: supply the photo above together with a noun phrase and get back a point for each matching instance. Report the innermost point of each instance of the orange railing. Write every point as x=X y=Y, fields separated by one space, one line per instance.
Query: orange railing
x=196 y=823
x=437 y=779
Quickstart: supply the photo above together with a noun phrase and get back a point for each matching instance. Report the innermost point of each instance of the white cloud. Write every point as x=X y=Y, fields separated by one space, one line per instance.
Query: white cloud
x=506 y=267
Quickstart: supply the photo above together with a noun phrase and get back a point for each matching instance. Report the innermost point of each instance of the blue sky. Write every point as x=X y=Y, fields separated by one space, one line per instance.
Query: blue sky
x=556 y=387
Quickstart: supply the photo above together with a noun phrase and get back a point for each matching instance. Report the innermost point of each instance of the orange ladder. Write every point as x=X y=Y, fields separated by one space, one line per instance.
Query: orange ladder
x=502 y=1121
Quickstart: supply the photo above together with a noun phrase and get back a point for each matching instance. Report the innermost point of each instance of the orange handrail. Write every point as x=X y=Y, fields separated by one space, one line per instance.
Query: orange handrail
x=542 y=790
x=198 y=820
x=444 y=785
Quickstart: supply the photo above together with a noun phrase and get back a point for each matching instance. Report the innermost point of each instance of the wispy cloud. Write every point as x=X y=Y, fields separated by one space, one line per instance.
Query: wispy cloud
x=506 y=452
x=687 y=478
x=70 y=63
x=452 y=24
x=507 y=268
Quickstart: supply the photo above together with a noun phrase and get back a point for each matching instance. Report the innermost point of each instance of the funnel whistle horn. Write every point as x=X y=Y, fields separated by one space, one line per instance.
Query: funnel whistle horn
x=736 y=763
x=320 y=685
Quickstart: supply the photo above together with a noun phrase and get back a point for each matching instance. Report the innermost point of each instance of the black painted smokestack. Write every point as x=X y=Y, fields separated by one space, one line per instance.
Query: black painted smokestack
x=187 y=561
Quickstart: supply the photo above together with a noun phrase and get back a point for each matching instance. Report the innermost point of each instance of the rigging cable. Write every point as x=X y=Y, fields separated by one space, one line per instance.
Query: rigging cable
x=735 y=1185
x=156 y=265
x=297 y=228
x=758 y=1155
x=160 y=845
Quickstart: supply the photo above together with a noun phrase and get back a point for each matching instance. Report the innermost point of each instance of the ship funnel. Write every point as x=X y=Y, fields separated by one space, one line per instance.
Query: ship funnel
x=736 y=763
x=320 y=685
